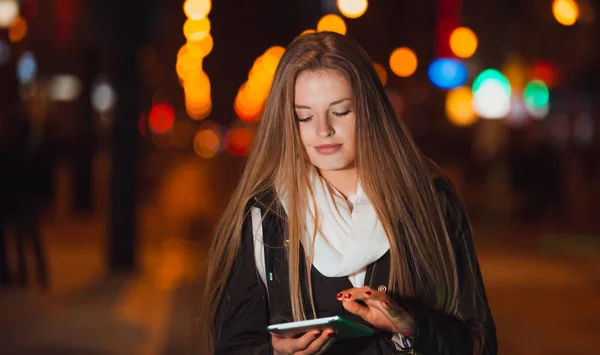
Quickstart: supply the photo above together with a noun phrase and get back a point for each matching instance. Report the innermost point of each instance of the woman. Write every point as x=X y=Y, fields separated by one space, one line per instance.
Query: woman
x=346 y=217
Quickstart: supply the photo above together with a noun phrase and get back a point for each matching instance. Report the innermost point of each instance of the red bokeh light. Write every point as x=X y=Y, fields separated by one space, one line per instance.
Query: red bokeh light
x=546 y=72
x=239 y=141
x=161 y=118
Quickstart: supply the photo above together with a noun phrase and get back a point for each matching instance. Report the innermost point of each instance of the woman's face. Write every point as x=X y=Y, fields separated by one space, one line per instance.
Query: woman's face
x=325 y=112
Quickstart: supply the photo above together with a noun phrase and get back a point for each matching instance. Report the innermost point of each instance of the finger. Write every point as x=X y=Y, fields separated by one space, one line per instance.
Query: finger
x=321 y=343
x=303 y=342
x=363 y=294
x=358 y=308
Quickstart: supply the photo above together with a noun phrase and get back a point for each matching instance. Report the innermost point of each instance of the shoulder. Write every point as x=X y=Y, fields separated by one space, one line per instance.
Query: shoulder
x=267 y=202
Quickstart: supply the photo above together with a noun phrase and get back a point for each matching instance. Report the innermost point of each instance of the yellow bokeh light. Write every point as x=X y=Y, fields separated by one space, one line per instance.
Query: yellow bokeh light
x=459 y=107
x=270 y=60
x=247 y=105
x=197 y=9
x=205 y=45
x=196 y=30
x=352 y=8
x=198 y=110
x=332 y=23
x=381 y=72
x=403 y=62
x=566 y=12
x=17 y=30
x=187 y=61
x=198 y=88
x=463 y=42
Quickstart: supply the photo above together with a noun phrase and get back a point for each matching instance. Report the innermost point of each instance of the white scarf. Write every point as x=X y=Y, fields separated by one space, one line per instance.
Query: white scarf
x=346 y=241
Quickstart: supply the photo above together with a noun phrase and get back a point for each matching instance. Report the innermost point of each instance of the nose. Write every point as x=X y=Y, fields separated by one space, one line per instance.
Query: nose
x=324 y=129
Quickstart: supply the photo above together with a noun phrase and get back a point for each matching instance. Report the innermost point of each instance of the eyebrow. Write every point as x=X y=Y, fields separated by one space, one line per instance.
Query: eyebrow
x=331 y=104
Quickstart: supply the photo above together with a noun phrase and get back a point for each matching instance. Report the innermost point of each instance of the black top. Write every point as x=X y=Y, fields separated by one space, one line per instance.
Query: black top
x=246 y=308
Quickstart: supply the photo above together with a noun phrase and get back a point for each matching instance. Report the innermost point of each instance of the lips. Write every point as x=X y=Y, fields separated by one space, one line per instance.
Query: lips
x=328 y=148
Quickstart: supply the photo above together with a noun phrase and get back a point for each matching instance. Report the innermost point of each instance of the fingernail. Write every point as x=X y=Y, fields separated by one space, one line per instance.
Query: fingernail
x=348 y=295
x=339 y=295
x=331 y=334
x=317 y=335
x=368 y=293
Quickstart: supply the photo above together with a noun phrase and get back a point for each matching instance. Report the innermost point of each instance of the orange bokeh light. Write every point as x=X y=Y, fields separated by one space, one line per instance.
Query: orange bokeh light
x=463 y=42
x=403 y=62
x=332 y=23
x=17 y=30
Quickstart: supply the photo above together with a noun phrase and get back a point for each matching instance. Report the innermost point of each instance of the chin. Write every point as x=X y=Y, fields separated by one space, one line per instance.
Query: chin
x=331 y=166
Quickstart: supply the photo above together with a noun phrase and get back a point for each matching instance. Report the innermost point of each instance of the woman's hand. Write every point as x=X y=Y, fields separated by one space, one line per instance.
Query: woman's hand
x=313 y=342
x=377 y=309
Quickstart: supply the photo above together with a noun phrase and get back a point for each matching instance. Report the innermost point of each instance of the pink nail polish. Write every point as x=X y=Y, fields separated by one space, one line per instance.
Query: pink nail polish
x=348 y=295
x=339 y=295
x=368 y=293
x=331 y=334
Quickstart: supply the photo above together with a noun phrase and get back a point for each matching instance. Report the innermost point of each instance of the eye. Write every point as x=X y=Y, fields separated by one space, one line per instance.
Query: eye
x=303 y=119
x=340 y=114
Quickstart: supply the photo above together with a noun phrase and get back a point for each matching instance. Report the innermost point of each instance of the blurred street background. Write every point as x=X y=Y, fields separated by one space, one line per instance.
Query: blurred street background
x=124 y=127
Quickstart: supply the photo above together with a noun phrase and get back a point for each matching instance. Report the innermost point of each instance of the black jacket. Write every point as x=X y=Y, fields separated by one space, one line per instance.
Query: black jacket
x=246 y=308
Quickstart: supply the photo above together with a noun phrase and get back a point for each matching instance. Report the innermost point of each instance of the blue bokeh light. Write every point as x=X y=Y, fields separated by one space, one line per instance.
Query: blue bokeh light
x=447 y=73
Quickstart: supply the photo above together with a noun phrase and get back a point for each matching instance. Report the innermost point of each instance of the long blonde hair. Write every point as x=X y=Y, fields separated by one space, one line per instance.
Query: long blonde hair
x=393 y=172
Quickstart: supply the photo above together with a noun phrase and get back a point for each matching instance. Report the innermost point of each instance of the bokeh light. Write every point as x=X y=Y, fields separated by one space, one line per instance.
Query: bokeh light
x=26 y=67
x=403 y=62
x=208 y=141
x=310 y=30
x=64 y=87
x=161 y=118
x=196 y=30
x=195 y=82
x=9 y=11
x=239 y=141
x=536 y=94
x=463 y=42
x=17 y=30
x=516 y=70
x=566 y=12
x=352 y=8
x=103 y=97
x=197 y=9
x=491 y=94
x=252 y=94
x=545 y=71
x=459 y=107
x=332 y=23
x=381 y=72
x=447 y=73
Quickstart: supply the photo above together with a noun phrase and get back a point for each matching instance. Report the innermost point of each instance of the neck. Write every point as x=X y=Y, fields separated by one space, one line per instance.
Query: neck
x=344 y=180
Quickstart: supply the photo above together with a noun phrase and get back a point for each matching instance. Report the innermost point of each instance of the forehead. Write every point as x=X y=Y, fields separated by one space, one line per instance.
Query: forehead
x=321 y=87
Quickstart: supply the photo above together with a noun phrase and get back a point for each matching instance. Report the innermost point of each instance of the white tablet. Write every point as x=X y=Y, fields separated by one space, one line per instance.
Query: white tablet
x=343 y=328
